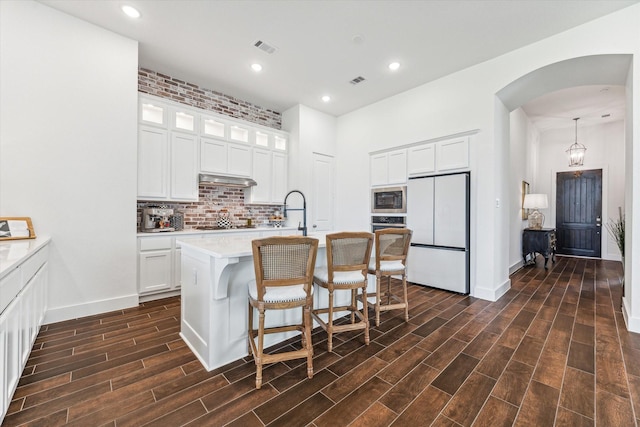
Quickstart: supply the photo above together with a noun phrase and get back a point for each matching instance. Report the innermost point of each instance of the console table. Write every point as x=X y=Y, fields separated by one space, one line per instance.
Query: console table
x=541 y=241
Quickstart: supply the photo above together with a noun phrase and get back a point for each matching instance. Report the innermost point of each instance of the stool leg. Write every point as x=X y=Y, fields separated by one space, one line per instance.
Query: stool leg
x=330 y=322
x=378 y=284
x=365 y=313
x=406 y=300
x=353 y=305
x=309 y=345
x=260 y=349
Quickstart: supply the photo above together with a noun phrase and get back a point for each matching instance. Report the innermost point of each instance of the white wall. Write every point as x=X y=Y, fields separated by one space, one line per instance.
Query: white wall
x=605 y=150
x=524 y=142
x=310 y=131
x=461 y=102
x=68 y=151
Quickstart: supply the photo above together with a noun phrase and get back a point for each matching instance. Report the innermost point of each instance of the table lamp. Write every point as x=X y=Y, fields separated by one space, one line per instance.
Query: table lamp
x=535 y=202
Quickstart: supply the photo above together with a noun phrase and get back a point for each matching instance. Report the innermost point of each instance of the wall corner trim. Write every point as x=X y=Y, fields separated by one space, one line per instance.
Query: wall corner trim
x=492 y=294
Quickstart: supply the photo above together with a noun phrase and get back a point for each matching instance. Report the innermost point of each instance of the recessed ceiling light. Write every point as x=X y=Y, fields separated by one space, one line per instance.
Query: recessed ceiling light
x=394 y=66
x=256 y=67
x=131 y=11
x=326 y=98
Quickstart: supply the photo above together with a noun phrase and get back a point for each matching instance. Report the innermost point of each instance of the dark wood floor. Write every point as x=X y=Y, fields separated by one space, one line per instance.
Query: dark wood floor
x=552 y=351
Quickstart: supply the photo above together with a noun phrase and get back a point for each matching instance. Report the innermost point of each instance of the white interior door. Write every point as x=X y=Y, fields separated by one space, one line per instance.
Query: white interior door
x=323 y=193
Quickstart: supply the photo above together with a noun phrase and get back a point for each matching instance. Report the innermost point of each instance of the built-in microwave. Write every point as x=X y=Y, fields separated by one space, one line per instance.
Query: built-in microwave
x=389 y=200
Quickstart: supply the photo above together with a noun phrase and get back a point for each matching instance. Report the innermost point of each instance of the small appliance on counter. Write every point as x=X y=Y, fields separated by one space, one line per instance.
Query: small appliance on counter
x=177 y=221
x=155 y=220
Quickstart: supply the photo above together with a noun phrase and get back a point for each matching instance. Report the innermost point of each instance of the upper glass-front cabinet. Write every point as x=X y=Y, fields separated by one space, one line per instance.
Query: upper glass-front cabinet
x=173 y=116
x=153 y=113
x=238 y=133
x=212 y=127
x=262 y=139
x=280 y=142
x=183 y=120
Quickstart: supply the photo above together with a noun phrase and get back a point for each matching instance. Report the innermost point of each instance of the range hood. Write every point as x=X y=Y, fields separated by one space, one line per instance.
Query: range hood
x=227 y=181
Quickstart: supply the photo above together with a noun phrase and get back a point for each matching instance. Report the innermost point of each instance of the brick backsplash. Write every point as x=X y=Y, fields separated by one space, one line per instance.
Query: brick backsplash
x=211 y=200
x=168 y=87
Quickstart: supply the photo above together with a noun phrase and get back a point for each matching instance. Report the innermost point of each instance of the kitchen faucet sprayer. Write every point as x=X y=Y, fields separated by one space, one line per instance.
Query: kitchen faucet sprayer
x=303 y=209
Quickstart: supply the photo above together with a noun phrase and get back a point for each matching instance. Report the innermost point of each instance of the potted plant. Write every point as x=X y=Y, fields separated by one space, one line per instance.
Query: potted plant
x=616 y=230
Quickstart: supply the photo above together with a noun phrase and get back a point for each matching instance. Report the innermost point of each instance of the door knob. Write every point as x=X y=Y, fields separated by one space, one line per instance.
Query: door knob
x=598 y=222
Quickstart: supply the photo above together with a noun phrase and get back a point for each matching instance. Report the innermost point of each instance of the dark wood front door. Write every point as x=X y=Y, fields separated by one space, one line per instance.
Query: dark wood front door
x=579 y=212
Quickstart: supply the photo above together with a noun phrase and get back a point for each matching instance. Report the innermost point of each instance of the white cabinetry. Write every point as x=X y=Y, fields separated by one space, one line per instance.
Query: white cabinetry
x=453 y=154
x=177 y=142
x=153 y=163
x=22 y=307
x=167 y=159
x=159 y=259
x=270 y=172
x=388 y=168
x=227 y=158
x=156 y=264
x=421 y=159
x=183 y=167
x=444 y=155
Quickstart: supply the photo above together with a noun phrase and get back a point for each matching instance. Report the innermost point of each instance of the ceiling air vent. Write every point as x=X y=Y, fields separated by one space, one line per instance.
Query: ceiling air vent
x=264 y=46
x=357 y=80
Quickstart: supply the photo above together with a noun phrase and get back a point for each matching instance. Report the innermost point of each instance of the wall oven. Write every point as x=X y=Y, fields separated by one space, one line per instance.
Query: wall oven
x=378 y=222
x=389 y=200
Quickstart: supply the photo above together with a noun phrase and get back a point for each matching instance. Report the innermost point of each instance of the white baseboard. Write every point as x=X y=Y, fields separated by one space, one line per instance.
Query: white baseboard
x=492 y=294
x=515 y=267
x=60 y=314
x=633 y=323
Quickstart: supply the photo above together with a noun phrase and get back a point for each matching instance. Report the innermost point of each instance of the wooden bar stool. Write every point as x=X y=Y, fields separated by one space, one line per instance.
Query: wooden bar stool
x=392 y=247
x=284 y=279
x=348 y=255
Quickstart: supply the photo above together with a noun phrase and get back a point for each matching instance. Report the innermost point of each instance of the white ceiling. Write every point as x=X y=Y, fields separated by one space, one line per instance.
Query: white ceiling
x=322 y=45
x=593 y=105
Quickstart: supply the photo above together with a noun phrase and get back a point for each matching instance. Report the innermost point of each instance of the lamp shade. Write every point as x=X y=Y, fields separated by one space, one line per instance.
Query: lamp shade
x=535 y=201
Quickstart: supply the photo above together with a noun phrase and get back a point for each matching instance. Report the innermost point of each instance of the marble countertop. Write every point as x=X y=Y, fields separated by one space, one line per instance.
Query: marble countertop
x=230 y=246
x=189 y=231
x=14 y=252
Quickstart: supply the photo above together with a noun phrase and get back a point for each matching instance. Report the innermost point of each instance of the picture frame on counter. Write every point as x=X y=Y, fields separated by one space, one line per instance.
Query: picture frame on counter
x=16 y=228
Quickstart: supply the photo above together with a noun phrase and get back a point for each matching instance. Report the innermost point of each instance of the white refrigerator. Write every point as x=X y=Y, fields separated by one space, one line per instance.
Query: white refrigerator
x=438 y=214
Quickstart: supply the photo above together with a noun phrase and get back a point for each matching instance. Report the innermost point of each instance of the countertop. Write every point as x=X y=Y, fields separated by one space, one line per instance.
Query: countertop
x=231 y=246
x=14 y=252
x=189 y=231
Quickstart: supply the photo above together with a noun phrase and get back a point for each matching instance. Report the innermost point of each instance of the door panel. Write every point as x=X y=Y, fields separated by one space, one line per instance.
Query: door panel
x=420 y=209
x=322 y=197
x=579 y=212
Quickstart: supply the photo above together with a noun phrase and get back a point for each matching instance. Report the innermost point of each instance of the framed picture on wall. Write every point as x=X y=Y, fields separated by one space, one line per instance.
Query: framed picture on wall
x=14 y=228
x=525 y=191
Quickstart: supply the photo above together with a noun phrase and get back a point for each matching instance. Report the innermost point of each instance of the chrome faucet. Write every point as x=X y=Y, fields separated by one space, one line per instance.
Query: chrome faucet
x=304 y=210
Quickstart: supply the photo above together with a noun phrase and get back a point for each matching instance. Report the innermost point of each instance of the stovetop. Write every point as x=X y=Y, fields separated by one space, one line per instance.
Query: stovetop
x=215 y=227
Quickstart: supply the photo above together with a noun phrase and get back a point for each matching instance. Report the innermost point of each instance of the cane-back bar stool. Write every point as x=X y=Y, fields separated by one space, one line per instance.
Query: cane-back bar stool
x=284 y=279
x=348 y=256
x=391 y=249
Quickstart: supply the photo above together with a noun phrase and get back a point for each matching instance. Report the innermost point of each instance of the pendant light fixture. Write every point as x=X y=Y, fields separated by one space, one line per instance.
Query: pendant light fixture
x=576 y=151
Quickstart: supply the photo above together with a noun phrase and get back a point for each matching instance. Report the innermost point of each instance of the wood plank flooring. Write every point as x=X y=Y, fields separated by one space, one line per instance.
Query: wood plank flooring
x=552 y=351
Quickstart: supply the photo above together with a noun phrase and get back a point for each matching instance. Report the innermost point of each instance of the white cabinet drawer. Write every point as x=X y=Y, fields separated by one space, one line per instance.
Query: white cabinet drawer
x=155 y=243
x=9 y=288
x=33 y=264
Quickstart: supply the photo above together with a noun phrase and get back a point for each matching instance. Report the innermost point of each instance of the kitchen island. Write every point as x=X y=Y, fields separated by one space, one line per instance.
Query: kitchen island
x=214 y=312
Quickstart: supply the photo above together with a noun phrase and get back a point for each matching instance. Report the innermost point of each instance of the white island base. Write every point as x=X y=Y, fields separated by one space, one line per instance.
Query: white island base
x=215 y=273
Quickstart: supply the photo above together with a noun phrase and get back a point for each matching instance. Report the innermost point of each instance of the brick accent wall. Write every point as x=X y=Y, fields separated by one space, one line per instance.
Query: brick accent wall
x=211 y=200
x=168 y=87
